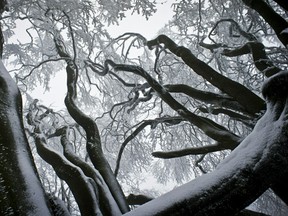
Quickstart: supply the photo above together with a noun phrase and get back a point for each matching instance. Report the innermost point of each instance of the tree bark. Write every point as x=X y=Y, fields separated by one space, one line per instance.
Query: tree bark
x=21 y=190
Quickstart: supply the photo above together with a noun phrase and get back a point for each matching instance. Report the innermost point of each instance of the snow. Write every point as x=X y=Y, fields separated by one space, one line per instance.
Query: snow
x=248 y=154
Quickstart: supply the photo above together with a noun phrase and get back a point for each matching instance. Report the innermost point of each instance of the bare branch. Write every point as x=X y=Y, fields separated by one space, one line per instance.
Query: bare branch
x=207 y=97
x=192 y=151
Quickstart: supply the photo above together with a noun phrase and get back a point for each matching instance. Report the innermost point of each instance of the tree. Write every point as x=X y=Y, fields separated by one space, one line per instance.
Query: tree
x=229 y=61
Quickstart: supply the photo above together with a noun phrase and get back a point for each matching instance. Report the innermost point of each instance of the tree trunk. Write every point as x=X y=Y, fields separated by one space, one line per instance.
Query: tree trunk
x=21 y=190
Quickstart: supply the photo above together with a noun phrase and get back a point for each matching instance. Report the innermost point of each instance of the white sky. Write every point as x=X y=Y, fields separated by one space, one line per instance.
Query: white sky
x=139 y=24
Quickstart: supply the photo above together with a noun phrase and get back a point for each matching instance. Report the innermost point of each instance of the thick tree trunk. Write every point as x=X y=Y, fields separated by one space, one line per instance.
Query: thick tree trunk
x=21 y=192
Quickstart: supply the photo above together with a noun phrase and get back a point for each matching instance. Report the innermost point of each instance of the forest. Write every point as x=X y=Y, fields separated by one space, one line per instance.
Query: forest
x=189 y=122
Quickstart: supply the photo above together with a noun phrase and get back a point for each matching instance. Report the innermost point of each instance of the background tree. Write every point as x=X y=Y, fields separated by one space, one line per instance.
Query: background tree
x=197 y=86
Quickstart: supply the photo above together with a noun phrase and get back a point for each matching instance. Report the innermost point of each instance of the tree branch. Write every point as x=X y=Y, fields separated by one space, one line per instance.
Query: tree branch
x=191 y=151
x=234 y=115
x=248 y=36
x=279 y=24
x=210 y=128
x=93 y=145
x=79 y=184
x=153 y=123
x=237 y=91
x=207 y=97
x=107 y=203
x=261 y=60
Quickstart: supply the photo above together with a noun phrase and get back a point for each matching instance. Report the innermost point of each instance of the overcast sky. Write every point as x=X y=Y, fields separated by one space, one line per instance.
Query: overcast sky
x=139 y=24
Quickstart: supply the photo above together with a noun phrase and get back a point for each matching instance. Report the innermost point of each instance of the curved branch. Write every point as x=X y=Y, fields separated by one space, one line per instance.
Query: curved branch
x=107 y=203
x=234 y=89
x=261 y=60
x=93 y=145
x=73 y=176
x=211 y=47
x=243 y=33
x=153 y=123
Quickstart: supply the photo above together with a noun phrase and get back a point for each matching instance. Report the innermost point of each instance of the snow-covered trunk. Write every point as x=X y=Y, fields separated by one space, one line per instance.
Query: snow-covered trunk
x=259 y=162
x=21 y=192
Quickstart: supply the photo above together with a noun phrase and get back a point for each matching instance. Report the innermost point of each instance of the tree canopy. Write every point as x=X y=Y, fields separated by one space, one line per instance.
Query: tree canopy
x=202 y=103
